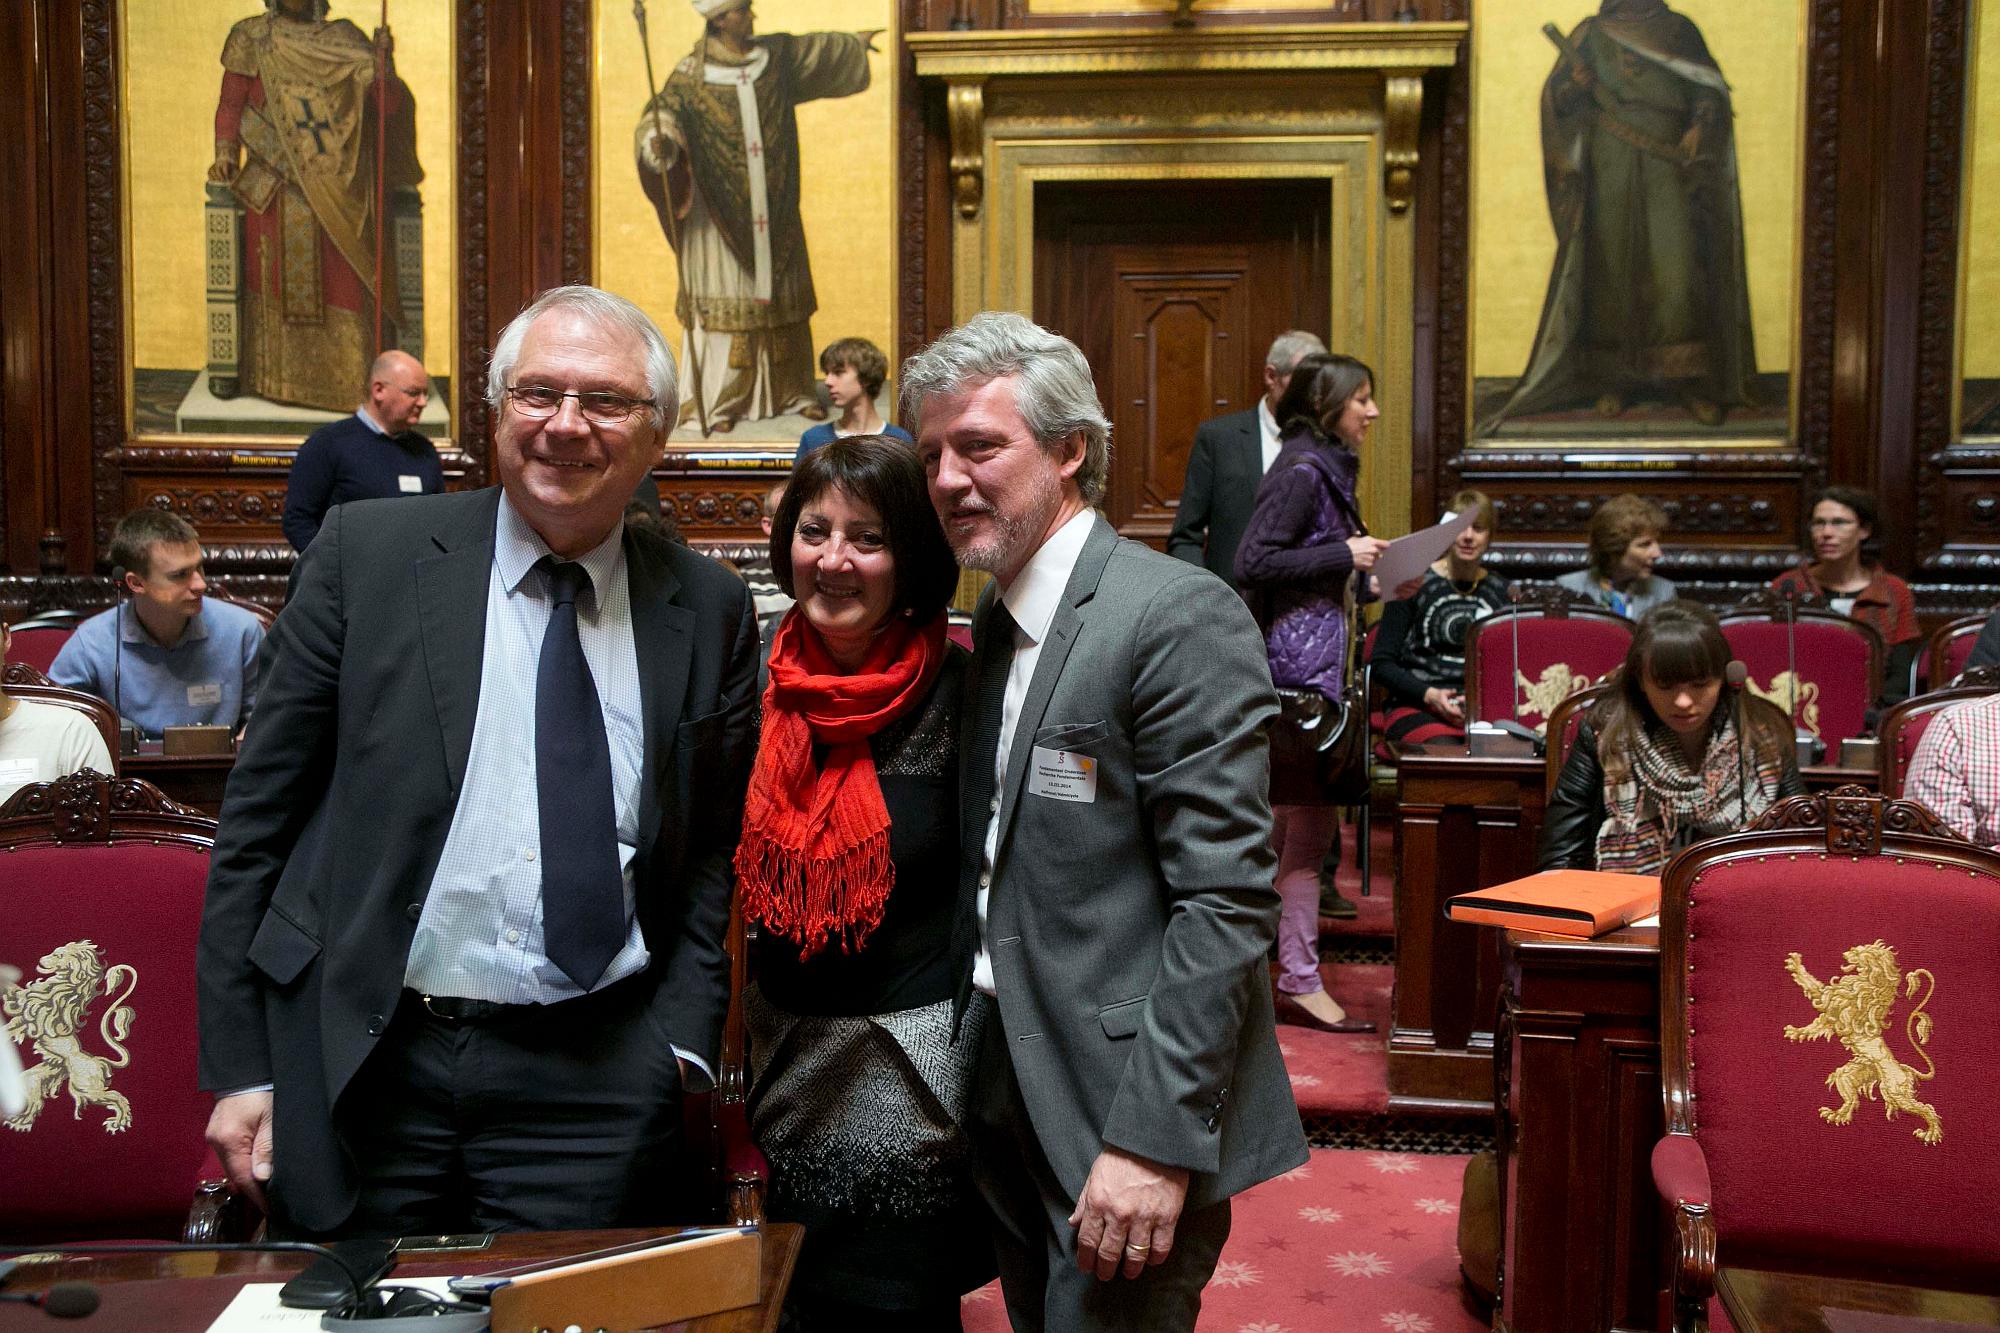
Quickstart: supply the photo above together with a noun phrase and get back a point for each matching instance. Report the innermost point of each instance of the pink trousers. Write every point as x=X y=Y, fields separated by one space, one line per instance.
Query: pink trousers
x=1301 y=835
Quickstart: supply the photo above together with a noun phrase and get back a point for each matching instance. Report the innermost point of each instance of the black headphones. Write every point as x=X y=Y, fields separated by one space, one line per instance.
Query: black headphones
x=427 y=1312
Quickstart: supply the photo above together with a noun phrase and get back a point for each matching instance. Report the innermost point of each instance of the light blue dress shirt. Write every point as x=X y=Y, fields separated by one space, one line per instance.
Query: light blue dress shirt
x=208 y=678
x=480 y=936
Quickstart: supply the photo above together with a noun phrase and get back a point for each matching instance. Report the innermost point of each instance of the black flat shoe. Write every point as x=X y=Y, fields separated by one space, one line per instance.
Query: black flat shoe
x=1292 y=1012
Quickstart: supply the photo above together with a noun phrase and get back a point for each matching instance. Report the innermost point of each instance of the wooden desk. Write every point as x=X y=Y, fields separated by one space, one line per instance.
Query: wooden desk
x=171 y=1292
x=193 y=779
x=1467 y=821
x=1761 y=1302
x=1581 y=1111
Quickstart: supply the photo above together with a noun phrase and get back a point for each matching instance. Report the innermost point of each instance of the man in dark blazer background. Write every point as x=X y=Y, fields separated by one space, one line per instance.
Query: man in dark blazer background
x=463 y=945
x=1230 y=456
x=1116 y=858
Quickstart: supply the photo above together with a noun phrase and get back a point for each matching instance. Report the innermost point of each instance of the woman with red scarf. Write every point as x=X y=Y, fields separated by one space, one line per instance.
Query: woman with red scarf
x=849 y=870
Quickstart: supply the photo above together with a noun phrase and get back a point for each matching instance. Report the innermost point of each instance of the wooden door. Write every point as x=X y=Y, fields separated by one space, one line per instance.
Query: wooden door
x=1174 y=292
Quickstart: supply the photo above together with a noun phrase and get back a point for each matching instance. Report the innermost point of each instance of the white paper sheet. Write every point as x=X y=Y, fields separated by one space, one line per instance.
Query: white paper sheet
x=1407 y=557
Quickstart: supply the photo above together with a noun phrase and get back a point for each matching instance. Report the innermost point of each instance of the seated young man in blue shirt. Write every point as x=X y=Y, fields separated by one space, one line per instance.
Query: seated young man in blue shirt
x=184 y=660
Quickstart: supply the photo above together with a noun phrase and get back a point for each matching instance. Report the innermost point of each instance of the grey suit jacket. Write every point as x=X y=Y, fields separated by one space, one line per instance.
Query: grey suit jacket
x=1128 y=934
x=338 y=806
x=1220 y=490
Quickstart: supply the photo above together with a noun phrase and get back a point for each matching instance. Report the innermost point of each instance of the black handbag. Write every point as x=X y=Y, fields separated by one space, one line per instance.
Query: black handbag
x=1319 y=746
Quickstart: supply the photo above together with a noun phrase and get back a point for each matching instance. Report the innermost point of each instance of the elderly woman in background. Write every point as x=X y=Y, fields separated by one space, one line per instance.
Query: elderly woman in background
x=1844 y=573
x=1625 y=537
x=1674 y=754
x=1419 y=655
x=849 y=869
x=1304 y=544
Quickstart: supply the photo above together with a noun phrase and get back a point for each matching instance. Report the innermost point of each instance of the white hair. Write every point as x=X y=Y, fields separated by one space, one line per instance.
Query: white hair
x=595 y=304
x=1054 y=392
x=1291 y=347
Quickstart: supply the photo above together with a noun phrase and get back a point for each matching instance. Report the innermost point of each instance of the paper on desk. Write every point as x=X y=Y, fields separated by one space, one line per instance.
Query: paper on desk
x=1408 y=557
x=256 y=1308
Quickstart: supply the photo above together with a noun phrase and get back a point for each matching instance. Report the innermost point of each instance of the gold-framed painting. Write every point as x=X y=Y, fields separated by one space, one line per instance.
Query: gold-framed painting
x=1977 y=414
x=1637 y=173
x=288 y=212
x=744 y=195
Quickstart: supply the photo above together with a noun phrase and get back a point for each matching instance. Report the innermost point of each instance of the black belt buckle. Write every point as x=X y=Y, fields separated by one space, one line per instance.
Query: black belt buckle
x=456 y=1009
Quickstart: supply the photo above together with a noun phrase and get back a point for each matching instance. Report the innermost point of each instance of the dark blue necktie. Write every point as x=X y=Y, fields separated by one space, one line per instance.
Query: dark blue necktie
x=583 y=893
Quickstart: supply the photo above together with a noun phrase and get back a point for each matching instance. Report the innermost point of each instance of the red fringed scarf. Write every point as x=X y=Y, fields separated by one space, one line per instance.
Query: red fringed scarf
x=814 y=858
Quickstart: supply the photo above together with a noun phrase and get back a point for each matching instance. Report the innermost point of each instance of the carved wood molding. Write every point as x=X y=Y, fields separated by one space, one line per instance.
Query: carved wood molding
x=965 y=111
x=474 y=331
x=1628 y=464
x=1454 y=251
x=221 y=507
x=1707 y=512
x=103 y=175
x=576 y=123
x=90 y=807
x=912 y=213
x=1815 y=319
x=1402 y=117
x=1937 y=277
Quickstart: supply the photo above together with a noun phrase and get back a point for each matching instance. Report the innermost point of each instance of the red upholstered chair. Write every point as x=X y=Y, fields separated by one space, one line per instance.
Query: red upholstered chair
x=1837 y=663
x=1826 y=1002
x=22 y=681
x=37 y=639
x=1945 y=652
x=1570 y=715
x=265 y=615
x=1904 y=725
x=101 y=885
x=1561 y=649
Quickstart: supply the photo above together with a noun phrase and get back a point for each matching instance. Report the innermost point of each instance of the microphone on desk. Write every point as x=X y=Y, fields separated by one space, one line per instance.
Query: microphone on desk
x=128 y=732
x=364 y=1300
x=64 y=1300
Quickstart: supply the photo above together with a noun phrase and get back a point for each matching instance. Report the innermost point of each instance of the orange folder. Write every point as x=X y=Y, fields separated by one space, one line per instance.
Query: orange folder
x=1561 y=902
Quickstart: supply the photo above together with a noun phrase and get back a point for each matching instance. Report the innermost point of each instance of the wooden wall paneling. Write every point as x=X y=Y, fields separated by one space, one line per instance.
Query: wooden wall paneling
x=1957 y=521
x=26 y=466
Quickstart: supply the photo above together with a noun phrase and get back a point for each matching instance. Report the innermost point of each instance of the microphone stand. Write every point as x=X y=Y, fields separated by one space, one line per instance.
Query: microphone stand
x=128 y=740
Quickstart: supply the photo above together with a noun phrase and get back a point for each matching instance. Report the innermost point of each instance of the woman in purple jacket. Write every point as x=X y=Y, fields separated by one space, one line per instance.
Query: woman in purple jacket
x=1304 y=543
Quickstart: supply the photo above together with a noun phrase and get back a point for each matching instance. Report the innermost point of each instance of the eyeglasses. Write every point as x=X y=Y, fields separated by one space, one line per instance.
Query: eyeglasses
x=539 y=401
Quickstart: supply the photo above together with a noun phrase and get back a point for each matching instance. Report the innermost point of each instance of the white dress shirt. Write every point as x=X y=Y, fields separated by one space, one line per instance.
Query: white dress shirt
x=1267 y=432
x=1032 y=600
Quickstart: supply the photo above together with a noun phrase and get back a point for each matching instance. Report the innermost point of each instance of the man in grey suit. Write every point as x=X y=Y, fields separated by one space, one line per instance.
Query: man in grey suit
x=1115 y=854
x=1231 y=455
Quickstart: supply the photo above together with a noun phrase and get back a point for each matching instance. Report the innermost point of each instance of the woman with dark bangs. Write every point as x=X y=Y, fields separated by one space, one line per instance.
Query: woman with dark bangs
x=1662 y=762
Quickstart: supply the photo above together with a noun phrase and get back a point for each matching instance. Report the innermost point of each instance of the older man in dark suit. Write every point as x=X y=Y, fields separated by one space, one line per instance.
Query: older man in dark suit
x=1116 y=855
x=1230 y=456
x=464 y=939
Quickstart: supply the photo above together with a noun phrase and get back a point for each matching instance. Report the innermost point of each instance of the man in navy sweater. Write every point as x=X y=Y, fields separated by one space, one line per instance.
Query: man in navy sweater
x=377 y=452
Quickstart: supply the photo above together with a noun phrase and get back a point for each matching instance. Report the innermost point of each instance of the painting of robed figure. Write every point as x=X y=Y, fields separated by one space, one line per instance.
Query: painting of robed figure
x=1647 y=311
x=297 y=144
x=718 y=156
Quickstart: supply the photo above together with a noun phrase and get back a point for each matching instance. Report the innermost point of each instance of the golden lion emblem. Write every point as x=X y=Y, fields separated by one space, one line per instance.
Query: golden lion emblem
x=1854 y=1007
x=1786 y=689
x=49 y=1012
x=1558 y=683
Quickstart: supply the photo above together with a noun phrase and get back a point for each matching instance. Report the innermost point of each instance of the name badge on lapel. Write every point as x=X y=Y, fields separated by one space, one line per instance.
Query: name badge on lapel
x=1062 y=775
x=409 y=485
x=204 y=695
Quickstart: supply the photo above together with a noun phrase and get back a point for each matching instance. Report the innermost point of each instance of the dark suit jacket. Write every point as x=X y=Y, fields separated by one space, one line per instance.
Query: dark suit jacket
x=1128 y=933
x=337 y=810
x=1218 y=494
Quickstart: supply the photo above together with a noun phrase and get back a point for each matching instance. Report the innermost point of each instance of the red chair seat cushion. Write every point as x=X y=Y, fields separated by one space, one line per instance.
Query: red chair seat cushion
x=1793 y=1187
x=104 y=937
x=38 y=647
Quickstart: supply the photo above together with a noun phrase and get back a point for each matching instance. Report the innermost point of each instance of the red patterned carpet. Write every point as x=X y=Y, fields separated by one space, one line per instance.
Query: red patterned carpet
x=1335 y=1073
x=1351 y=1242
